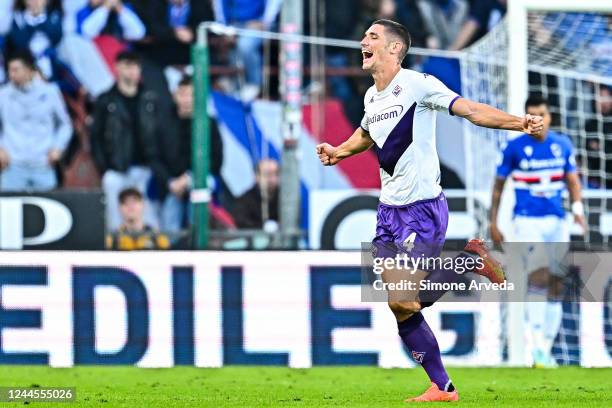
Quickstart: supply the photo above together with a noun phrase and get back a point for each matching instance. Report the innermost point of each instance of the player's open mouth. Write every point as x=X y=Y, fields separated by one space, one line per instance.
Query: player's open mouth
x=367 y=55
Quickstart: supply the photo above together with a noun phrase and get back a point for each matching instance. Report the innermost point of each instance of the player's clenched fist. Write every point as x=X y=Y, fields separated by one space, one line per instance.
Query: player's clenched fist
x=533 y=125
x=327 y=154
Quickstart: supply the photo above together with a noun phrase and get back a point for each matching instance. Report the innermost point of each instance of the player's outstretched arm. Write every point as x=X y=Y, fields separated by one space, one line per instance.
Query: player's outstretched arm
x=487 y=116
x=357 y=143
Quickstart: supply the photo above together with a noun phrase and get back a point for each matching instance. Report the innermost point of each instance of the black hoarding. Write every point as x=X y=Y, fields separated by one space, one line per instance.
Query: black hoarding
x=56 y=220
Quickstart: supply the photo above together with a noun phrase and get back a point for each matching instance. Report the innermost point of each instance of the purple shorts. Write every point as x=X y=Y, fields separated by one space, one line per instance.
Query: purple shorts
x=418 y=229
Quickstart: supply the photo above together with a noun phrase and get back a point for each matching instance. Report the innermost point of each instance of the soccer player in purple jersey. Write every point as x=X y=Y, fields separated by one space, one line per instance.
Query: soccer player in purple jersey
x=400 y=125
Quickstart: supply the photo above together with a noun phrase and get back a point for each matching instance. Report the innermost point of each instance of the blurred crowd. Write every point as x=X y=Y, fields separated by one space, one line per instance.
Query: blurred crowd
x=98 y=92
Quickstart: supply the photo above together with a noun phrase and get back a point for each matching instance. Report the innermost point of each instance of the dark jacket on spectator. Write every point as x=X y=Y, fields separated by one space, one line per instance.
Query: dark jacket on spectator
x=247 y=209
x=114 y=144
x=161 y=44
x=486 y=13
x=409 y=14
x=175 y=150
x=340 y=17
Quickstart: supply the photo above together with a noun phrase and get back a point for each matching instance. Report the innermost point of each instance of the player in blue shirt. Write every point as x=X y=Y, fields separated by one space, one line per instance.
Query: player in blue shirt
x=541 y=167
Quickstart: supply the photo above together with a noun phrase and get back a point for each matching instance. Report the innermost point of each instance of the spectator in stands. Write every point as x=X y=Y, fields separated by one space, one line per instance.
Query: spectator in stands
x=175 y=180
x=6 y=18
x=258 y=207
x=409 y=14
x=110 y=17
x=70 y=9
x=372 y=10
x=442 y=18
x=134 y=233
x=37 y=28
x=34 y=128
x=124 y=136
x=252 y=14
x=86 y=58
x=340 y=17
x=599 y=144
x=171 y=28
x=6 y=15
x=483 y=16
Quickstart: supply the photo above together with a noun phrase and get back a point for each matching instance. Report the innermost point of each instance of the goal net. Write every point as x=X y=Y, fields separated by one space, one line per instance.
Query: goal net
x=568 y=62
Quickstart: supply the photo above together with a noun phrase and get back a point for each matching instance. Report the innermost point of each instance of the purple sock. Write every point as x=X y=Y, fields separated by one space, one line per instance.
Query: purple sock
x=441 y=275
x=420 y=340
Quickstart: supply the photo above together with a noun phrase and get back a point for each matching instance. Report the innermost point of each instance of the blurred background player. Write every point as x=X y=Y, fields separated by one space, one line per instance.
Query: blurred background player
x=399 y=124
x=134 y=233
x=541 y=167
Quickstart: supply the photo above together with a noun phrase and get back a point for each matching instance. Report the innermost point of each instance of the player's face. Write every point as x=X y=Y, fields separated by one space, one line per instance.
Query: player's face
x=541 y=110
x=374 y=48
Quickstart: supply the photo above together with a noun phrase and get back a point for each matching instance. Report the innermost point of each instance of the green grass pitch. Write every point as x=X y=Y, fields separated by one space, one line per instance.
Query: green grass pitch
x=316 y=387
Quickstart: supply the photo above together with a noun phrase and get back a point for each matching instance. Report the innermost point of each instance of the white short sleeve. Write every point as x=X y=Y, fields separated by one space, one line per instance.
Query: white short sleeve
x=432 y=93
x=364 y=123
x=364 y=120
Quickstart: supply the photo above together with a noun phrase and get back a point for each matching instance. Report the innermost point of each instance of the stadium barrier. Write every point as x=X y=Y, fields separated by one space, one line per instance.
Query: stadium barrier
x=210 y=309
x=54 y=220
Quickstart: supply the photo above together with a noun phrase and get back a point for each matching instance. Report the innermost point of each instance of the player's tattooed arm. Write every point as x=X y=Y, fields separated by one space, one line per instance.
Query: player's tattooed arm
x=357 y=143
x=498 y=188
x=487 y=116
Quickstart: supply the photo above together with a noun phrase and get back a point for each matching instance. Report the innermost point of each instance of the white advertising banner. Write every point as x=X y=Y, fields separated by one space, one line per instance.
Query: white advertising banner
x=208 y=309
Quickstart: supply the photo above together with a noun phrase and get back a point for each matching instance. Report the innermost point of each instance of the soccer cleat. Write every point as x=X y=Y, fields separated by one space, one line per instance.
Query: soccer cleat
x=492 y=269
x=539 y=359
x=543 y=360
x=434 y=394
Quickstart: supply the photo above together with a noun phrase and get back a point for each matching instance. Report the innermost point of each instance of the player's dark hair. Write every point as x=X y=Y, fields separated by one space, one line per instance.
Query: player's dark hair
x=25 y=57
x=129 y=192
x=535 y=100
x=398 y=30
x=129 y=57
